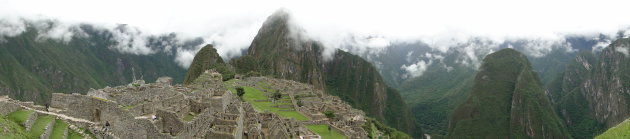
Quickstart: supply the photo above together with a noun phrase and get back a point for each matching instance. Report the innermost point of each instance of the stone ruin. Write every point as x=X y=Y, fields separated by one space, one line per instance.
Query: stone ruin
x=204 y=109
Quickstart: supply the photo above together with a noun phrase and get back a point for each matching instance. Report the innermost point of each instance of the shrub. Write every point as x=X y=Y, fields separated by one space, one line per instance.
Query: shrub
x=240 y=91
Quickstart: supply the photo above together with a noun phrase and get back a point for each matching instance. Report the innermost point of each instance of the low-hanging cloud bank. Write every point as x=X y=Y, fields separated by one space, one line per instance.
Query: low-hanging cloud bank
x=352 y=25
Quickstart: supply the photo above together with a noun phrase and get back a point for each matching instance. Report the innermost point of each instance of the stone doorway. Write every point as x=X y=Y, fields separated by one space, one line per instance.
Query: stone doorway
x=97 y=115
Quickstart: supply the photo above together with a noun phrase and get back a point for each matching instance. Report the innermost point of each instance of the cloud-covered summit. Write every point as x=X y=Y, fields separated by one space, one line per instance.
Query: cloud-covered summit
x=355 y=26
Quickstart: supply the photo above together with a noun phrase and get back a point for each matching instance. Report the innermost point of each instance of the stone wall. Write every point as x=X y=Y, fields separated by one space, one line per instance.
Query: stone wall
x=169 y=122
x=100 y=111
x=136 y=95
x=199 y=127
x=7 y=107
x=30 y=121
x=177 y=103
x=98 y=93
x=198 y=107
x=219 y=135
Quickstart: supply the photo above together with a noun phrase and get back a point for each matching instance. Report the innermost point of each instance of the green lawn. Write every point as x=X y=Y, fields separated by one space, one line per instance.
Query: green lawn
x=58 y=130
x=253 y=94
x=40 y=125
x=20 y=116
x=322 y=130
x=11 y=130
x=621 y=131
x=74 y=135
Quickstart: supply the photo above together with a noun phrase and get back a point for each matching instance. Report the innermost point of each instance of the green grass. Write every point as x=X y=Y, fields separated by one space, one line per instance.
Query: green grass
x=621 y=131
x=59 y=129
x=323 y=131
x=189 y=117
x=39 y=126
x=374 y=131
x=20 y=116
x=74 y=135
x=11 y=130
x=253 y=94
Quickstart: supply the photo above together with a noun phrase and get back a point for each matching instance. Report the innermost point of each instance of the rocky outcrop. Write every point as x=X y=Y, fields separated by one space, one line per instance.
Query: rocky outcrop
x=608 y=91
x=278 y=49
x=594 y=93
x=569 y=98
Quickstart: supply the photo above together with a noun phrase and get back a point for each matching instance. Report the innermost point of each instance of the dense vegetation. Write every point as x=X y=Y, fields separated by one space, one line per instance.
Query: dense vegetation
x=447 y=79
x=356 y=81
x=207 y=58
x=507 y=101
x=33 y=67
x=569 y=98
x=373 y=126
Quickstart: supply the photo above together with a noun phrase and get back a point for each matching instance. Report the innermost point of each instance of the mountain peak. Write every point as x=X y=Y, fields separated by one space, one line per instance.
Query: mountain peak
x=207 y=58
x=280 y=18
x=507 y=101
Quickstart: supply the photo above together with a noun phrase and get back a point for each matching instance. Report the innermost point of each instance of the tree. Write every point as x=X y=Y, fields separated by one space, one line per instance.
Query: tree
x=240 y=91
x=329 y=114
x=276 y=95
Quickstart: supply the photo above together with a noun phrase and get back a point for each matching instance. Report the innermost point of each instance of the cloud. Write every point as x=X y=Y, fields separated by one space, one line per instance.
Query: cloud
x=53 y=29
x=130 y=40
x=185 y=57
x=416 y=69
x=10 y=27
x=353 y=25
x=624 y=50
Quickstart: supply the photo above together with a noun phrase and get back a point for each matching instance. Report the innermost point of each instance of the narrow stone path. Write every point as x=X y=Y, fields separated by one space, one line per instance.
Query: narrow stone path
x=62 y=116
x=71 y=126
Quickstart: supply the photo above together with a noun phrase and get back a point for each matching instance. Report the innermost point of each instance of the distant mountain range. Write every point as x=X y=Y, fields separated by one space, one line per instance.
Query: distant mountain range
x=32 y=67
x=447 y=78
x=579 y=85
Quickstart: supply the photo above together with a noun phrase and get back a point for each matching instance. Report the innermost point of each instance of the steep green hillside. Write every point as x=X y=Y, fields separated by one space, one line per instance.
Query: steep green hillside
x=279 y=50
x=434 y=95
x=608 y=89
x=207 y=58
x=11 y=130
x=31 y=68
x=507 y=101
x=570 y=103
x=357 y=82
x=592 y=94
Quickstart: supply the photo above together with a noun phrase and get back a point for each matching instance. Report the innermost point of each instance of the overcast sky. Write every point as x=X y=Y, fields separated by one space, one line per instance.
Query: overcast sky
x=232 y=24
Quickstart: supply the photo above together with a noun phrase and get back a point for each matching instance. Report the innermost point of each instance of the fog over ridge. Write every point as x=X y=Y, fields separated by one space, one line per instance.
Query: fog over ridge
x=355 y=26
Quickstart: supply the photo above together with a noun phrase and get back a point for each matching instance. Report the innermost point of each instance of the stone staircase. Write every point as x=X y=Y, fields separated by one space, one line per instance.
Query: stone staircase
x=30 y=121
x=48 y=130
x=107 y=134
x=78 y=130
